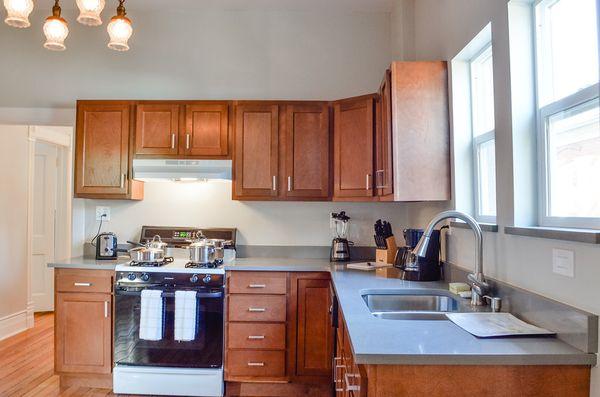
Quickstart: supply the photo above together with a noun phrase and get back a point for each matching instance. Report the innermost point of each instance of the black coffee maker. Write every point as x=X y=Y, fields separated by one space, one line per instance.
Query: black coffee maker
x=414 y=268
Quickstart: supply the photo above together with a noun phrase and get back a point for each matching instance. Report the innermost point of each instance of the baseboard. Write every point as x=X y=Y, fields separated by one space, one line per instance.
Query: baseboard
x=15 y=323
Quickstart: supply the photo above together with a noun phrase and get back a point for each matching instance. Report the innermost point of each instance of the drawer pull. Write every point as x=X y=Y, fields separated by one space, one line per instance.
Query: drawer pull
x=105 y=309
x=251 y=364
x=257 y=286
x=256 y=337
x=173 y=141
x=257 y=309
x=82 y=284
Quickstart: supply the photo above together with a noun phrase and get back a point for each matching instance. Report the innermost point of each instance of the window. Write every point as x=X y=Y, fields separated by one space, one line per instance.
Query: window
x=568 y=113
x=482 y=127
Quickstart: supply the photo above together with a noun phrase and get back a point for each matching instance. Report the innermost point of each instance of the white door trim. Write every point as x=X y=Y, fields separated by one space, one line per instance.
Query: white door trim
x=62 y=137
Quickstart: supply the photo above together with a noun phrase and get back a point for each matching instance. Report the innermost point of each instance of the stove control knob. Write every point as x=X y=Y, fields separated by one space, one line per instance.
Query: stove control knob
x=145 y=277
x=207 y=279
x=194 y=278
x=131 y=276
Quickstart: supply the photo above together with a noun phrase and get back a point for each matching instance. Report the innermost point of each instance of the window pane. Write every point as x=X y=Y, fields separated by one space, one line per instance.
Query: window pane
x=486 y=165
x=569 y=47
x=482 y=86
x=574 y=161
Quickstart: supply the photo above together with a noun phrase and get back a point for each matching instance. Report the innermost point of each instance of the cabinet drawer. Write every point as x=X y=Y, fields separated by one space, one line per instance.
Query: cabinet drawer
x=256 y=363
x=256 y=336
x=257 y=307
x=74 y=280
x=258 y=283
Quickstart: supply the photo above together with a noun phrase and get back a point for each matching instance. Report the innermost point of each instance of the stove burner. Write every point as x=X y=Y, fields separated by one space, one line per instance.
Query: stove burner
x=210 y=265
x=165 y=261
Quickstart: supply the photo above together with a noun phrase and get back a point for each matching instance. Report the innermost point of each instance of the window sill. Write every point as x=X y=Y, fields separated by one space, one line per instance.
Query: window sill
x=589 y=236
x=486 y=227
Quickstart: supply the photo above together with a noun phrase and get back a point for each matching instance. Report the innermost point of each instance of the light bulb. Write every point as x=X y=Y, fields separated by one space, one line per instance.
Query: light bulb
x=55 y=30
x=89 y=12
x=119 y=29
x=18 y=12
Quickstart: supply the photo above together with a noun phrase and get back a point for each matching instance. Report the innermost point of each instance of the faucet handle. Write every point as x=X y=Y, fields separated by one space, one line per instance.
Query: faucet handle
x=495 y=303
x=477 y=284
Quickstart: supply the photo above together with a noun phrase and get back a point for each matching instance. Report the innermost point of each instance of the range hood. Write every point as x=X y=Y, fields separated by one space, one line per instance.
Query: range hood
x=180 y=170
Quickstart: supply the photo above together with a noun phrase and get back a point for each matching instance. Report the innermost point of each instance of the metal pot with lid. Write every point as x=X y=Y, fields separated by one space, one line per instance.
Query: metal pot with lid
x=146 y=254
x=202 y=250
x=220 y=246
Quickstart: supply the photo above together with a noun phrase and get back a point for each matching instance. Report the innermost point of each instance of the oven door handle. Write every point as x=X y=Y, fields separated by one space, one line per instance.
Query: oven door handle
x=206 y=295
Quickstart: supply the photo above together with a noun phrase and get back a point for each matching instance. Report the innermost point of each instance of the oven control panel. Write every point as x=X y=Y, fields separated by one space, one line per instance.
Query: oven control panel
x=141 y=279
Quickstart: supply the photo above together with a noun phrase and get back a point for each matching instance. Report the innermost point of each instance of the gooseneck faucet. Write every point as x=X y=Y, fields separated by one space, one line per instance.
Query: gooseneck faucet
x=479 y=287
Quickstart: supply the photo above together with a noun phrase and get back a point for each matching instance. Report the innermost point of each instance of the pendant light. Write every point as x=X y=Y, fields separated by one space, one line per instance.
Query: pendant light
x=56 y=30
x=18 y=12
x=89 y=12
x=119 y=29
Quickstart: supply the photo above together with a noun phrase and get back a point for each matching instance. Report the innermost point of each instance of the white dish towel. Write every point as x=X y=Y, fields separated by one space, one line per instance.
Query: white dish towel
x=185 y=315
x=151 y=315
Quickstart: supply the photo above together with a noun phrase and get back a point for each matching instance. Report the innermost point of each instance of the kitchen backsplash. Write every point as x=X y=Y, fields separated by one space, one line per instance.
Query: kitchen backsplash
x=209 y=204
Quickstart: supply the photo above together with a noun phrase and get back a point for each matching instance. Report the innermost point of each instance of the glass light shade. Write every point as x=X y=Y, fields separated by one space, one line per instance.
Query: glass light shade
x=119 y=30
x=18 y=12
x=56 y=31
x=89 y=12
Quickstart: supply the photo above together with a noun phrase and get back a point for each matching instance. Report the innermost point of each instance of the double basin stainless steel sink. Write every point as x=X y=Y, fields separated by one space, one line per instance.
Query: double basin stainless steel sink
x=413 y=304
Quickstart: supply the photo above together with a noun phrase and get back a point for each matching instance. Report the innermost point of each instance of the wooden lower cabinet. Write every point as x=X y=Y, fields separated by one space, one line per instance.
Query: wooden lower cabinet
x=83 y=325
x=279 y=335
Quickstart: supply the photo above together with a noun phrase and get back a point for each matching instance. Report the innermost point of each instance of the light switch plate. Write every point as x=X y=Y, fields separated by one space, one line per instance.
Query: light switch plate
x=103 y=211
x=563 y=262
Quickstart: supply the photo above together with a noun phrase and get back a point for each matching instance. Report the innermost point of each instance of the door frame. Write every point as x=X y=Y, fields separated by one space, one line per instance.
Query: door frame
x=62 y=137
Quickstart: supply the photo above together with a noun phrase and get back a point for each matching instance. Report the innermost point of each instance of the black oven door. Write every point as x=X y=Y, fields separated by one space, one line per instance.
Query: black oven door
x=205 y=351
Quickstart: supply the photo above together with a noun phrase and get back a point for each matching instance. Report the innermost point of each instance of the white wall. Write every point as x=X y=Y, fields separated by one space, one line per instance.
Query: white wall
x=259 y=223
x=442 y=29
x=14 y=153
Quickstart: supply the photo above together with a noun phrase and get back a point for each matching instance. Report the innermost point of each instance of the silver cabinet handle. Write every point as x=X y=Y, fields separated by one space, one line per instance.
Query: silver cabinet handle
x=251 y=364
x=257 y=286
x=173 y=141
x=274 y=182
x=256 y=337
x=122 y=181
x=379 y=185
x=82 y=284
x=289 y=183
x=257 y=309
x=187 y=141
x=368 y=184
x=105 y=309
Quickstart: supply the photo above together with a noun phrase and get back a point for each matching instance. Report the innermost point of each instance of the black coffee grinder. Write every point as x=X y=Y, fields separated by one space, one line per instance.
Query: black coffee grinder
x=414 y=268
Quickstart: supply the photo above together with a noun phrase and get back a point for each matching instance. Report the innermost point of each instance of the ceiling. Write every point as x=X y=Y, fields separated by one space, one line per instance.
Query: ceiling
x=288 y=5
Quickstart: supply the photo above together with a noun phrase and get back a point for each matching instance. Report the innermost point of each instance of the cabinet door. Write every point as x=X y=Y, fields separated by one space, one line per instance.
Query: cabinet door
x=102 y=148
x=256 y=151
x=384 y=174
x=83 y=333
x=206 y=130
x=314 y=329
x=307 y=151
x=157 y=129
x=353 y=148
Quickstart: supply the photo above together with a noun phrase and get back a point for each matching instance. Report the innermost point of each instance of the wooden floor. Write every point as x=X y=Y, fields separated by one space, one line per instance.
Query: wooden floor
x=27 y=364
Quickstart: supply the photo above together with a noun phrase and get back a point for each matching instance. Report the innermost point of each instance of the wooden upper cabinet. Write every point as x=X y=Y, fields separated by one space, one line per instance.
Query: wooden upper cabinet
x=102 y=148
x=384 y=172
x=353 y=148
x=421 y=131
x=315 y=333
x=306 y=143
x=256 y=169
x=83 y=333
x=206 y=130
x=157 y=129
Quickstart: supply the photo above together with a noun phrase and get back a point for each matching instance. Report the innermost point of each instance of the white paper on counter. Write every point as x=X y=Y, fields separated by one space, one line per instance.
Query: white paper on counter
x=367 y=266
x=489 y=325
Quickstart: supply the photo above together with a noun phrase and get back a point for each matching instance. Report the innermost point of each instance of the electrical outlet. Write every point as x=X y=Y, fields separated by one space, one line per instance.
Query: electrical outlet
x=103 y=211
x=563 y=262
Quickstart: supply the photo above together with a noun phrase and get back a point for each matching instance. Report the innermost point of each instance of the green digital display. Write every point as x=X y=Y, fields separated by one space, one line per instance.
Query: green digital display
x=182 y=234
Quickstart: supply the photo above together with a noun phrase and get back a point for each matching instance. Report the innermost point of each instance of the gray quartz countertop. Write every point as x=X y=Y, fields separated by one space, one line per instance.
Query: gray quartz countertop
x=89 y=263
x=403 y=342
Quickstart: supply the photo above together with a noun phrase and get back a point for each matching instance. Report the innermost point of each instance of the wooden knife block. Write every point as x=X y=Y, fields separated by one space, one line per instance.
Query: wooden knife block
x=387 y=255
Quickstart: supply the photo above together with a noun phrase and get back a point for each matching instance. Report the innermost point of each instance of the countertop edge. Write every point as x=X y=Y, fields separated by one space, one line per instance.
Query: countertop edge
x=585 y=359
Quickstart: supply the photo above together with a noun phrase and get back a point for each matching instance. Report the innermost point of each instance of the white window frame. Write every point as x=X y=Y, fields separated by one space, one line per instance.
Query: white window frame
x=477 y=141
x=542 y=116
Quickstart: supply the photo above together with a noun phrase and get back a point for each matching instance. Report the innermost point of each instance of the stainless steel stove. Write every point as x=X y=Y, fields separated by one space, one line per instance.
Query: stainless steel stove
x=168 y=366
